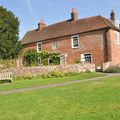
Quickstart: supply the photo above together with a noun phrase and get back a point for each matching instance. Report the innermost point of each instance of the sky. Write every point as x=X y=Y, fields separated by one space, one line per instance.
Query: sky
x=30 y=12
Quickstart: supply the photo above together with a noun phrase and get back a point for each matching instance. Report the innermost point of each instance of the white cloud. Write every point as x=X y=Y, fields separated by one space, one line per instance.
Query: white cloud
x=30 y=8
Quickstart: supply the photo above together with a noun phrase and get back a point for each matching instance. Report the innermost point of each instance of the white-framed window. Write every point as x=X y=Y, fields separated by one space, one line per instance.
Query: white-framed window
x=75 y=41
x=55 y=45
x=117 y=37
x=63 y=59
x=39 y=60
x=86 y=58
x=49 y=61
x=39 y=46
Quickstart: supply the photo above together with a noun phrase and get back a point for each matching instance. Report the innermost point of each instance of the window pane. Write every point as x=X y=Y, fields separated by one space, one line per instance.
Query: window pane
x=75 y=41
x=55 y=44
x=39 y=61
x=39 y=47
x=116 y=37
x=87 y=58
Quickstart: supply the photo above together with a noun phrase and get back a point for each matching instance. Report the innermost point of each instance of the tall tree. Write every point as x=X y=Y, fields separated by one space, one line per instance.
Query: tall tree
x=9 y=32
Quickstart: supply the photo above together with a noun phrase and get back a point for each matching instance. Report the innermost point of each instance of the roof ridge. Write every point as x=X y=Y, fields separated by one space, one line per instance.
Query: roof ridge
x=104 y=20
x=69 y=20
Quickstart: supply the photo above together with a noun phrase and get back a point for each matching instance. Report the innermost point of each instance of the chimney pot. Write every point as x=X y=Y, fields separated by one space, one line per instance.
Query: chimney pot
x=41 y=25
x=112 y=15
x=74 y=15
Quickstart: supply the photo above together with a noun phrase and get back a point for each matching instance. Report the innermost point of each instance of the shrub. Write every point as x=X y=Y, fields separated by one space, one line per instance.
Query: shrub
x=56 y=73
x=31 y=57
x=7 y=63
x=113 y=69
x=76 y=61
x=88 y=71
x=71 y=73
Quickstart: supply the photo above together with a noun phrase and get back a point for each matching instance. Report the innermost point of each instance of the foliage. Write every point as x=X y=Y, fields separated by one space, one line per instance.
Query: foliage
x=44 y=57
x=55 y=59
x=7 y=63
x=88 y=71
x=113 y=69
x=9 y=31
x=31 y=58
x=71 y=73
x=76 y=61
x=56 y=73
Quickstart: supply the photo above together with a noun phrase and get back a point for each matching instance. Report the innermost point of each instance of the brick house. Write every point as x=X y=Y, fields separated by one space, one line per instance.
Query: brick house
x=93 y=39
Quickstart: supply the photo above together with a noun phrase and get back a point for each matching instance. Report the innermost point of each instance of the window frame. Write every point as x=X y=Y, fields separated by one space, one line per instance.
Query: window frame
x=117 y=40
x=39 y=58
x=56 y=45
x=84 y=58
x=38 y=47
x=72 y=41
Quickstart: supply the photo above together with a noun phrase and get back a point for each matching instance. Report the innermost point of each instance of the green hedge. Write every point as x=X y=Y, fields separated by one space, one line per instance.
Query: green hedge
x=113 y=69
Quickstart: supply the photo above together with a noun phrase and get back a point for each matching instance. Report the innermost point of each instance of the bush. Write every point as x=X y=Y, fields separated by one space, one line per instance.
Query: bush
x=71 y=73
x=31 y=58
x=88 y=71
x=7 y=63
x=76 y=61
x=56 y=73
x=113 y=69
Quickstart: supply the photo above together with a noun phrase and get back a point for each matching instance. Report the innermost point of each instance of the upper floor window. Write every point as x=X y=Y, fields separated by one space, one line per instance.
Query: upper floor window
x=117 y=37
x=55 y=45
x=75 y=41
x=39 y=47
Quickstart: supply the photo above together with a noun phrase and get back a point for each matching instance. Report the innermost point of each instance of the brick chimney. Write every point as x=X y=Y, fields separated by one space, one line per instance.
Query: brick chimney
x=41 y=25
x=112 y=15
x=74 y=15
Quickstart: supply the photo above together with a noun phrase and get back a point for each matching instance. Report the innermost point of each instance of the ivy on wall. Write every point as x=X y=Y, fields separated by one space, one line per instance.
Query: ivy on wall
x=47 y=58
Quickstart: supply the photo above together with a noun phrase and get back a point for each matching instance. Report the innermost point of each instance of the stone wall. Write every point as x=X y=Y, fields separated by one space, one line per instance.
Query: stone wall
x=46 y=69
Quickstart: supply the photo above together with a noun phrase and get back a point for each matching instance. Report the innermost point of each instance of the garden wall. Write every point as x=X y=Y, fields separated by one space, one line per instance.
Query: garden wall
x=46 y=69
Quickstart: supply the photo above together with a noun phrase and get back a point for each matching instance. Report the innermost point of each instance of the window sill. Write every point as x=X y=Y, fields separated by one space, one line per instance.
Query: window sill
x=75 y=47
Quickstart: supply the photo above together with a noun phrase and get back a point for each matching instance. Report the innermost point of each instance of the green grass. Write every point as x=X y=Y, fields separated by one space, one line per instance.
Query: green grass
x=36 y=82
x=95 y=100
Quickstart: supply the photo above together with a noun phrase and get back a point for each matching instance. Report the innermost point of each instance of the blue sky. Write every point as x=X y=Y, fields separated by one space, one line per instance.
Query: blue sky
x=30 y=12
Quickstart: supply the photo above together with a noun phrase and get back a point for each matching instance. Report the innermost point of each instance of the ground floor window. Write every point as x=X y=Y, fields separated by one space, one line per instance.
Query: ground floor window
x=49 y=61
x=86 y=58
x=39 y=61
x=63 y=59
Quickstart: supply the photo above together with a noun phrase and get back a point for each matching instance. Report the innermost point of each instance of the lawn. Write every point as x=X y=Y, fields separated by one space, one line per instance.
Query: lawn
x=40 y=81
x=95 y=100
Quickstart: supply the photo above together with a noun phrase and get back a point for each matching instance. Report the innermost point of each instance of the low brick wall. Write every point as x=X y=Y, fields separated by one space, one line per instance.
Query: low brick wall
x=46 y=69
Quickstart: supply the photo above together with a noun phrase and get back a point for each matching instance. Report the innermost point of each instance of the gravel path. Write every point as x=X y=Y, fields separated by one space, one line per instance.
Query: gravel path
x=54 y=85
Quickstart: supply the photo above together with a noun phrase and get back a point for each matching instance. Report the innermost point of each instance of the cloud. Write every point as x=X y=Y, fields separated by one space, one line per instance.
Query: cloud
x=30 y=8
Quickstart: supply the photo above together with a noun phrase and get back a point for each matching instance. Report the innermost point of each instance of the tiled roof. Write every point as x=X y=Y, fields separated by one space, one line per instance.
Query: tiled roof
x=68 y=27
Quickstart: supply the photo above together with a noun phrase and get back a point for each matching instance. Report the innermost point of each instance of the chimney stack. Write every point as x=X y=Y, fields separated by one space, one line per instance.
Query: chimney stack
x=112 y=15
x=74 y=15
x=41 y=25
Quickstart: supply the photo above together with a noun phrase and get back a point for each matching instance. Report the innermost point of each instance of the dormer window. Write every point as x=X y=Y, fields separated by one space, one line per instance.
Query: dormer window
x=39 y=46
x=117 y=37
x=75 y=41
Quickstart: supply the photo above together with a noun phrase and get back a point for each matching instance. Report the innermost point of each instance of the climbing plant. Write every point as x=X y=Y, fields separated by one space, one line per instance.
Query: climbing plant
x=47 y=58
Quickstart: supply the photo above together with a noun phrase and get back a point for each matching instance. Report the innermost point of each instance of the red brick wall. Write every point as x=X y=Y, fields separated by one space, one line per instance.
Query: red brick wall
x=91 y=42
x=114 y=50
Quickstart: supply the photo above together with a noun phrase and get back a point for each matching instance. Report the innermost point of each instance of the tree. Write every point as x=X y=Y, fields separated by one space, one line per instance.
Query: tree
x=9 y=32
